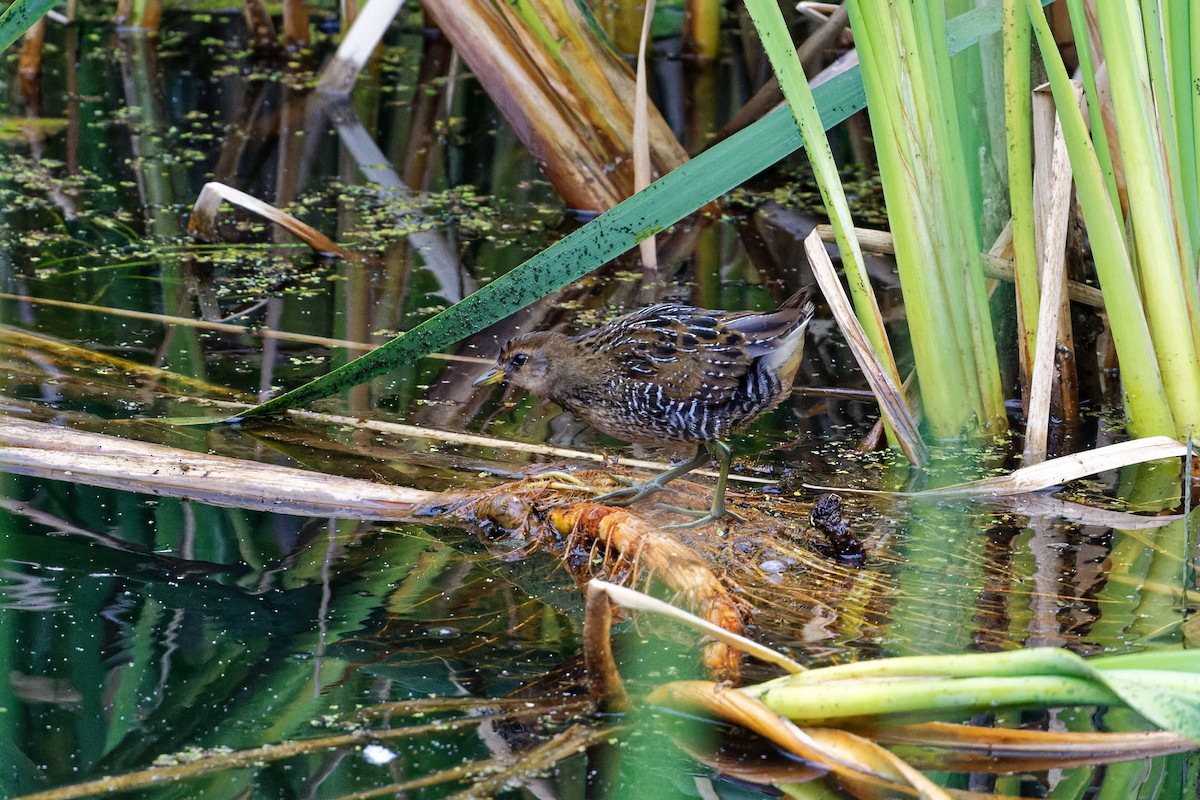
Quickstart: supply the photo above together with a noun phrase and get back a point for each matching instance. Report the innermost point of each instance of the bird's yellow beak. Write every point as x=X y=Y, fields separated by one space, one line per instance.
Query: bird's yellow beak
x=494 y=375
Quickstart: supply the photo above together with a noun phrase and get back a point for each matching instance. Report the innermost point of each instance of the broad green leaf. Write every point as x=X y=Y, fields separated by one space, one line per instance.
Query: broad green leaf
x=1161 y=686
x=1171 y=700
x=1177 y=660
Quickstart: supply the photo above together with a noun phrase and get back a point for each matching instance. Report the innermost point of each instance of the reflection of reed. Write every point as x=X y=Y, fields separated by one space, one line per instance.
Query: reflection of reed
x=29 y=66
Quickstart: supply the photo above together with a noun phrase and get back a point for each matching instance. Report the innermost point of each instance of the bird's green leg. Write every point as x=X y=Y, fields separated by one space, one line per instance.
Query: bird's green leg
x=717 y=510
x=627 y=495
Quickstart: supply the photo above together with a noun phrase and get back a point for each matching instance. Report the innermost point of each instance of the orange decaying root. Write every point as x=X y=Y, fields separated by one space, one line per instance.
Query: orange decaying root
x=631 y=546
x=599 y=541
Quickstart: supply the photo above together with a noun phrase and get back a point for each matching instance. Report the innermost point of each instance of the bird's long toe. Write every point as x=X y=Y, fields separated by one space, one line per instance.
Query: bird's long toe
x=703 y=516
x=631 y=494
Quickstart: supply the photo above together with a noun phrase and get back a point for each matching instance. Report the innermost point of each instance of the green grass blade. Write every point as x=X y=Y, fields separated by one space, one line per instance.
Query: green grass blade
x=1179 y=53
x=1087 y=67
x=1192 y=113
x=1155 y=51
x=776 y=40
x=1018 y=110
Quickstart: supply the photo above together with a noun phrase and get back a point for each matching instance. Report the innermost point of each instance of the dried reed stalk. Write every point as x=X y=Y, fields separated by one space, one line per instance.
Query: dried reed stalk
x=203 y=219
x=1052 y=207
x=565 y=94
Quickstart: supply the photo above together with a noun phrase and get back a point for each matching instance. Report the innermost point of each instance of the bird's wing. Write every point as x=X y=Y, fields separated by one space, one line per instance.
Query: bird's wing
x=688 y=352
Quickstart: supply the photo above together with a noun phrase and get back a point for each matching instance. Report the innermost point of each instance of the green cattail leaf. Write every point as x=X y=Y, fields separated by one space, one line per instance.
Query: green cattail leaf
x=1161 y=686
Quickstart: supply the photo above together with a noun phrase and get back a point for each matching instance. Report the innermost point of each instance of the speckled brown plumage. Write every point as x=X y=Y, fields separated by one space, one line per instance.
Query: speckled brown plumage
x=667 y=373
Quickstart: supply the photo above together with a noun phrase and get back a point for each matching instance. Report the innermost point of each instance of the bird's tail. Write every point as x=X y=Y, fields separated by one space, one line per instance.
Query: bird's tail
x=764 y=332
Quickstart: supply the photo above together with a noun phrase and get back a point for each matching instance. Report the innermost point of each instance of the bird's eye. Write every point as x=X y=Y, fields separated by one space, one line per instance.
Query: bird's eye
x=519 y=359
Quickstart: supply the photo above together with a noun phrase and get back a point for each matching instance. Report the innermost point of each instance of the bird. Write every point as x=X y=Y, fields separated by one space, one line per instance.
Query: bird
x=666 y=373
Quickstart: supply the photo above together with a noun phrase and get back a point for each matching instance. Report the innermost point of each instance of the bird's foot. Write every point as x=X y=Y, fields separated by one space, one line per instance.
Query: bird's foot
x=632 y=493
x=703 y=516
x=636 y=491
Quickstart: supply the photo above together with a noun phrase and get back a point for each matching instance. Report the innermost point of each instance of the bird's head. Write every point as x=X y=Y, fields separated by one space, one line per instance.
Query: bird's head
x=530 y=362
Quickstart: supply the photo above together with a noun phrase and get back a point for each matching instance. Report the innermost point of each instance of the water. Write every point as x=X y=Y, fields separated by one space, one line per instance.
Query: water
x=137 y=630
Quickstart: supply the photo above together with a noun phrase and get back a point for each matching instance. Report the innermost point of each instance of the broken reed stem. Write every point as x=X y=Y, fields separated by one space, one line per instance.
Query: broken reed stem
x=208 y=202
x=366 y=32
x=1052 y=199
x=892 y=402
x=640 y=145
x=603 y=678
x=634 y=600
x=455 y=437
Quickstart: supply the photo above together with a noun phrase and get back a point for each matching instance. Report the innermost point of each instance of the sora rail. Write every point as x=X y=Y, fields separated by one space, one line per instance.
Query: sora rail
x=667 y=373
